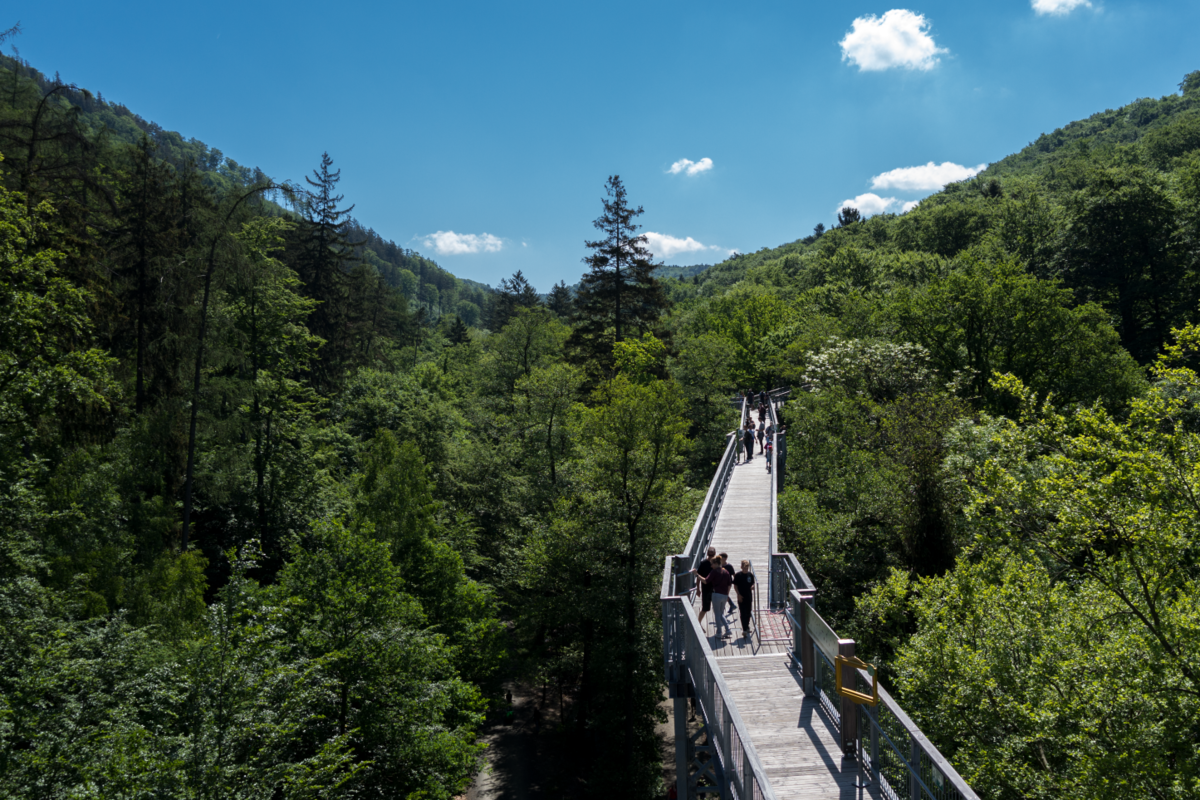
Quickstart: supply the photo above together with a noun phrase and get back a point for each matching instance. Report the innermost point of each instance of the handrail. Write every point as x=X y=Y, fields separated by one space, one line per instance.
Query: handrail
x=741 y=768
x=922 y=765
x=702 y=529
x=908 y=767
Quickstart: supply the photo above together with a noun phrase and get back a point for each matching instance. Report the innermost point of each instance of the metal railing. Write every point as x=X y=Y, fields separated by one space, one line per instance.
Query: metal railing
x=900 y=760
x=739 y=772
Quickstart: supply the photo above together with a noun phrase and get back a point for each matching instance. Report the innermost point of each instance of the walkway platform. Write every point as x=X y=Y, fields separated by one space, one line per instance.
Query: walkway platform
x=797 y=743
x=794 y=738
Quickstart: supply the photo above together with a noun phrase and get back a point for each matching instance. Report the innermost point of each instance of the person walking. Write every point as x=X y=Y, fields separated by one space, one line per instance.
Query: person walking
x=743 y=583
x=702 y=571
x=748 y=441
x=721 y=582
x=727 y=565
x=761 y=434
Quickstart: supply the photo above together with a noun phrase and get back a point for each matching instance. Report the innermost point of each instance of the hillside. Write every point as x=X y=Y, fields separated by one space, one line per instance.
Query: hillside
x=1148 y=137
x=280 y=519
x=104 y=123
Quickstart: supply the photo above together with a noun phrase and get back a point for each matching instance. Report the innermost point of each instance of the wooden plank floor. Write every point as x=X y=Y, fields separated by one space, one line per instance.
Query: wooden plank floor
x=798 y=746
x=744 y=523
x=796 y=742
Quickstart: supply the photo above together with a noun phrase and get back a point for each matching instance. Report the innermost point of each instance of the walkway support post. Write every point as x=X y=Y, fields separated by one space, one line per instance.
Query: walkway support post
x=681 y=747
x=849 y=710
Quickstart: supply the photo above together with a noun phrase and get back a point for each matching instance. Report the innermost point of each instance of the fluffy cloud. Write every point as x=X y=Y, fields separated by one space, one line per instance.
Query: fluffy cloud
x=909 y=206
x=928 y=178
x=897 y=39
x=666 y=246
x=449 y=243
x=689 y=167
x=869 y=204
x=1058 y=7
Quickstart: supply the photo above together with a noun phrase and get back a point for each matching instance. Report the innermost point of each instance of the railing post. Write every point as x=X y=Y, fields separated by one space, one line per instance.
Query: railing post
x=914 y=768
x=874 y=723
x=726 y=752
x=848 y=709
x=804 y=644
x=681 y=747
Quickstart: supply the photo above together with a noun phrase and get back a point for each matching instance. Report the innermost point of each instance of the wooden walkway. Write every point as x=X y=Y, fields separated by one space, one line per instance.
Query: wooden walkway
x=795 y=740
x=799 y=747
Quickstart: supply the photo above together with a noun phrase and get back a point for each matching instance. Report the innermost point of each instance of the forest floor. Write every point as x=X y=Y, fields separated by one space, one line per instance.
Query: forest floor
x=526 y=761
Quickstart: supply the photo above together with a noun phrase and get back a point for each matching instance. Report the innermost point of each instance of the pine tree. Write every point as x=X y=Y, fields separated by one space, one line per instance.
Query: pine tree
x=514 y=293
x=619 y=296
x=848 y=216
x=458 y=332
x=560 y=300
x=323 y=253
x=144 y=240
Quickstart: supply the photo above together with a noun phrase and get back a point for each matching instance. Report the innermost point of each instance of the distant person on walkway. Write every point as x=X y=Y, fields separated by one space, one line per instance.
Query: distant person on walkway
x=770 y=451
x=748 y=441
x=720 y=582
x=743 y=582
x=761 y=434
x=702 y=570
x=763 y=398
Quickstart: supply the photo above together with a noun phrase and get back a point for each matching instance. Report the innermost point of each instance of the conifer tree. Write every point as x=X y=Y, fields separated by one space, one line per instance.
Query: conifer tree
x=560 y=300
x=323 y=253
x=458 y=332
x=516 y=292
x=619 y=296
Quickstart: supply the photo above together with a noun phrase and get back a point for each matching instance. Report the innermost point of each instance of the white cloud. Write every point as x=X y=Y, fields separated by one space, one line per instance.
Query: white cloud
x=1057 y=7
x=909 y=206
x=897 y=39
x=666 y=246
x=691 y=167
x=449 y=243
x=924 y=179
x=869 y=204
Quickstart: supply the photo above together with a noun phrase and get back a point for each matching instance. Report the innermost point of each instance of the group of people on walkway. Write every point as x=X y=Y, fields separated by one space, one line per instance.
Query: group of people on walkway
x=716 y=577
x=764 y=433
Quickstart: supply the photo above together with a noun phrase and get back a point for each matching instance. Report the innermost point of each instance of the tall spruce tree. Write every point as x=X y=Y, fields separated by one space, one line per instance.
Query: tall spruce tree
x=619 y=296
x=323 y=253
x=515 y=292
x=560 y=300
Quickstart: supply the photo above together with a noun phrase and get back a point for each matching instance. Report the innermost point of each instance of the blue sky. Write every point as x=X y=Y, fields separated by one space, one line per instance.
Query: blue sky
x=481 y=134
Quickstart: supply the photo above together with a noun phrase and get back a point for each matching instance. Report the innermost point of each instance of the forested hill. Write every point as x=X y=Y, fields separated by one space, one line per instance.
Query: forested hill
x=106 y=123
x=993 y=447
x=1136 y=150
x=283 y=516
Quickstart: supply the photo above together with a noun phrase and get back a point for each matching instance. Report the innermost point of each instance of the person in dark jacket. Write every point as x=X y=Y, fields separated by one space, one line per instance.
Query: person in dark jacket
x=727 y=565
x=743 y=584
x=748 y=441
x=721 y=582
x=702 y=570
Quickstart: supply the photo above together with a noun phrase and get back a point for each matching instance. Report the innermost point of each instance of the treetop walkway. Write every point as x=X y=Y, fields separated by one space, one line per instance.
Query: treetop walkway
x=787 y=713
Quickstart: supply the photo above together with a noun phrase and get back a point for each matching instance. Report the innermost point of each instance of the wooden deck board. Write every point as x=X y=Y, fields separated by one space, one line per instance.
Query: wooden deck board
x=797 y=745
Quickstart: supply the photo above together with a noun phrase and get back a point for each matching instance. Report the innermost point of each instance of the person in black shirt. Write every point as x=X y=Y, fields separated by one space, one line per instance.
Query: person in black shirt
x=748 y=440
x=702 y=569
x=743 y=584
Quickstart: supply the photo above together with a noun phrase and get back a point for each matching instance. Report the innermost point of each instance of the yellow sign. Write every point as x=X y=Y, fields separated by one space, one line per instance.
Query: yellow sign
x=853 y=696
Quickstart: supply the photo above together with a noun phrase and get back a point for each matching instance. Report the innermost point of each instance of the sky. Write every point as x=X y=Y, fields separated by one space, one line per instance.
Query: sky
x=481 y=134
